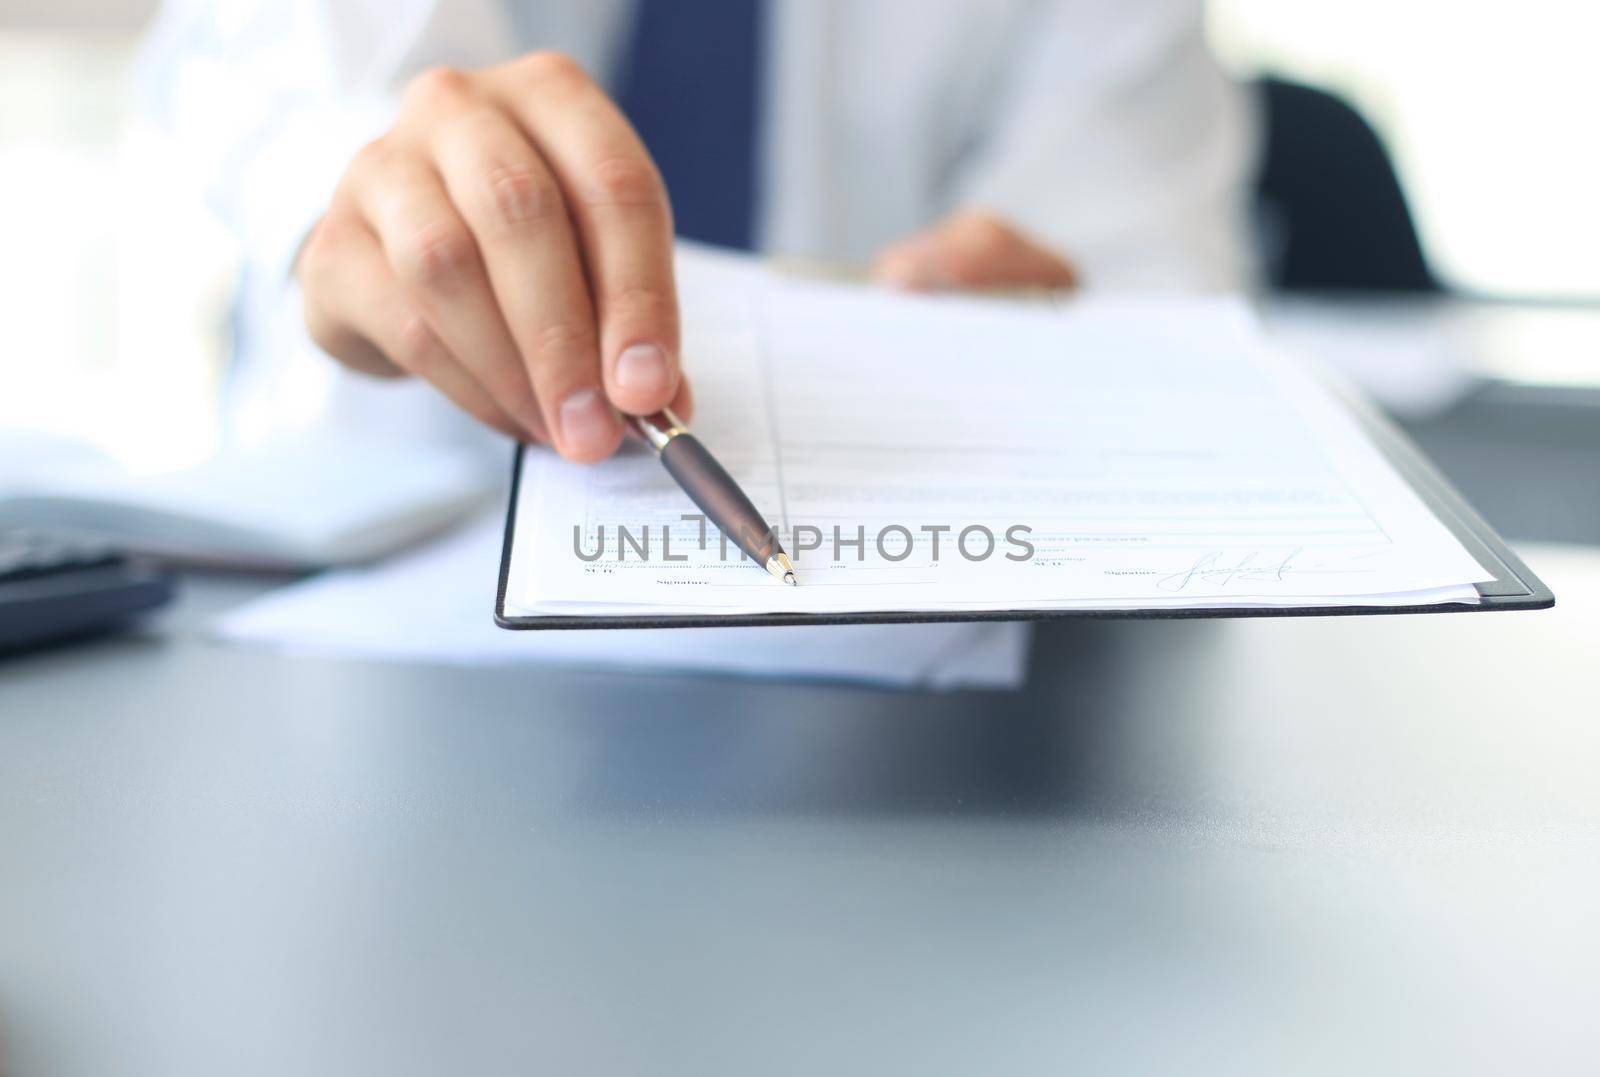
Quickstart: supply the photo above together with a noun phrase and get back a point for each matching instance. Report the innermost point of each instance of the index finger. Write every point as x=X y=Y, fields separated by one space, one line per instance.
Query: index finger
x=623 y=219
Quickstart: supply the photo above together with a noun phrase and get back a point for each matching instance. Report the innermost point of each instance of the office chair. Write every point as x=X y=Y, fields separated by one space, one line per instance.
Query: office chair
x=1332 y=216
x=1329 y=208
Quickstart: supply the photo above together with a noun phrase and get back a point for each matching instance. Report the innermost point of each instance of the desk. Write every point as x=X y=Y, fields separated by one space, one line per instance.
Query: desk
x=1312 y=846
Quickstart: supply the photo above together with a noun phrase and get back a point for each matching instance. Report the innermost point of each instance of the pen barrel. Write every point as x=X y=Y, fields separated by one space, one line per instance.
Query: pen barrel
x=709 y=486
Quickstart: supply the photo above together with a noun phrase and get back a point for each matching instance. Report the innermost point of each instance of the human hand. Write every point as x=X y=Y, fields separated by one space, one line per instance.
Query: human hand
x=968 y=251
x=510 y=241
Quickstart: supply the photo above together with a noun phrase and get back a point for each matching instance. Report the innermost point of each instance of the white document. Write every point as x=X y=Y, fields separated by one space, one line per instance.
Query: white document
x=1129 y=453
x=1412 y=356
x=436 y=605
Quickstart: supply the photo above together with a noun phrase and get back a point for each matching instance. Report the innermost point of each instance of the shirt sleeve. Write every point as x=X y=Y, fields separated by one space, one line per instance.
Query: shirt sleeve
x=264 y=102
x=260 y=106
x=1119 y=142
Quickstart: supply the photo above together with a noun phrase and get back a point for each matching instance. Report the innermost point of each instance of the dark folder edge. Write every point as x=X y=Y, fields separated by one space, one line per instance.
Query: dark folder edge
x=1514 y=586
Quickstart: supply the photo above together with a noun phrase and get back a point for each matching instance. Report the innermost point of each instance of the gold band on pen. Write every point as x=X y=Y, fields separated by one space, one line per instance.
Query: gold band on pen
x=660 y=428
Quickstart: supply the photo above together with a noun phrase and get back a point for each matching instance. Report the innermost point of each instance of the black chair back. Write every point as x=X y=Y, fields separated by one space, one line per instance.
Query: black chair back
x=1330 y=211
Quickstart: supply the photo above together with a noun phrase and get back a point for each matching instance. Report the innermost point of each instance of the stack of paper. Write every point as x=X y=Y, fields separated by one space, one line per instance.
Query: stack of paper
x=435 y=605
x=962 y=455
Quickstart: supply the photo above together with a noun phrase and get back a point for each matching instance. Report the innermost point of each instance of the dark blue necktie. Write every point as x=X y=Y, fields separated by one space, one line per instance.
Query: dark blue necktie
x=690 y=85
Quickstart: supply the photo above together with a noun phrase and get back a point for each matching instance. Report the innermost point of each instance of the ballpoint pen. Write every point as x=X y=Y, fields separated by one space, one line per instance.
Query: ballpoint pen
x=709 y=486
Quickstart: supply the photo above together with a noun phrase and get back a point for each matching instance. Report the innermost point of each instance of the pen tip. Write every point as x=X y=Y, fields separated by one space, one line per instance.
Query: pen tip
x=782 y=568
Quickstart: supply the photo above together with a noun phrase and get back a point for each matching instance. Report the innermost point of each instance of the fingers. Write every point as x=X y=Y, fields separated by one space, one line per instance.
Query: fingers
x=434 y=258
x=356 y=311
x=510 y=240
x=971 y=250
x=622 y=217
x=514 y=206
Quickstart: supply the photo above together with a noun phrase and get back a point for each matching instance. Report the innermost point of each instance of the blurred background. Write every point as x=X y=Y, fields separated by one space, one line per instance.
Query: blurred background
x=1403 y=869
x=115 y=283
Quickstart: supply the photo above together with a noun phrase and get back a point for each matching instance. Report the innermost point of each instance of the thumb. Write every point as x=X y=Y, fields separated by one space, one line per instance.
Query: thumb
x=971 y=250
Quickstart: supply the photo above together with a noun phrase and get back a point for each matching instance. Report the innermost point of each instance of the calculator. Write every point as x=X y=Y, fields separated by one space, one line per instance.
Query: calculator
x=53 y=589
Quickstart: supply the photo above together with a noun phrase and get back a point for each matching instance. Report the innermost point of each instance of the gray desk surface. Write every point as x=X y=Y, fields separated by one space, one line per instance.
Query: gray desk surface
x=1330 y=846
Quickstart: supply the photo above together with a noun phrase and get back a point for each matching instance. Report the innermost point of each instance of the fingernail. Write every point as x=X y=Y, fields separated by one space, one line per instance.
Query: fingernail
x=587 y=423
x=642 y=368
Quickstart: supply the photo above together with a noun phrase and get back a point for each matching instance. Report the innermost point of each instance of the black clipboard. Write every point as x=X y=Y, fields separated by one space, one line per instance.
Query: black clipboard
x=1514 y=586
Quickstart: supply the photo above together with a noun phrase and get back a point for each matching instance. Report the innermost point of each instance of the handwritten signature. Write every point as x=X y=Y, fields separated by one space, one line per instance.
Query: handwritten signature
x=1211 y=569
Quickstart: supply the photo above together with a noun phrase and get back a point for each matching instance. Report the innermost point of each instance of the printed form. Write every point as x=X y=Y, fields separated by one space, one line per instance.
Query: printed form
x=942 y=454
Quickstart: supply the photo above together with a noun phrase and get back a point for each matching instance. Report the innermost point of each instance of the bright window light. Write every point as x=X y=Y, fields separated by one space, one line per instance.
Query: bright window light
x=1488 y=109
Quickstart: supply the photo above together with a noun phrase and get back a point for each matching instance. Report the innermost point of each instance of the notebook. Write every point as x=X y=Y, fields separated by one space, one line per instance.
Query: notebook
x=951 y=458
x=312 y=499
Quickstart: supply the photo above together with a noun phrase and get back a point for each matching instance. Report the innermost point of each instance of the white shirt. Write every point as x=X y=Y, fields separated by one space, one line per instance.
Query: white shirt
x=1101 y=128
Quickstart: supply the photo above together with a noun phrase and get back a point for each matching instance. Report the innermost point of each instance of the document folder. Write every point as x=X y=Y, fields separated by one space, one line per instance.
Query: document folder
x=1161 y=458
x=1514 y=587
